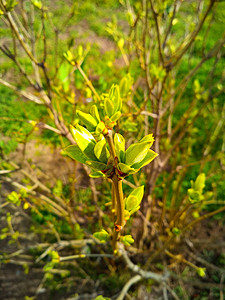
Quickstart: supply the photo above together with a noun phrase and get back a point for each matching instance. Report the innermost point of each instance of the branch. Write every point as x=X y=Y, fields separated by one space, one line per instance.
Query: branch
x=20 y=37
x=170 y=25
x=194 y=34
x=144 y=274
x=27 y=95
x=158 y=33
x=127 y=286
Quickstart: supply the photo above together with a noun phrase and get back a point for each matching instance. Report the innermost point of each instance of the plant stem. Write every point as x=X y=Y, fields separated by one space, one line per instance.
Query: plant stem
x=120 y=202
x=117 y=194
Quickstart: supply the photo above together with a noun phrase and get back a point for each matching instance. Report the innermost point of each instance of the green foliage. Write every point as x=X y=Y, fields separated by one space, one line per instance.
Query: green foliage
x=195 y=193
x=181 y=102
x=127 y=240
x=133 y=201
x=102 y=236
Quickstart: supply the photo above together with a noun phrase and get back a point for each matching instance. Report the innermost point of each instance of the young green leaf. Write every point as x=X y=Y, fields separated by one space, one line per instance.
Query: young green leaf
x=126 y=215
x=94 y=112
x=102 y=236
x=101 y=151
x=127 y=240
x=125 y=84
x=194 y=196
x=131 y=202
x=84 y=140
x=134 y=199
x=101 y=129
x=126 y=169
x=119 y=143
x=96 y=174
x=98 y=166
x=111 y=91
x=116 y=99
x=136 y=153
x=75 y=153
x=116 y=116
x=148 y=138
x=134 y=209
x=87 y=120
x=200 y=182
x=148 y=158
x=201 y=272
x=108 y=107
x=139 y=193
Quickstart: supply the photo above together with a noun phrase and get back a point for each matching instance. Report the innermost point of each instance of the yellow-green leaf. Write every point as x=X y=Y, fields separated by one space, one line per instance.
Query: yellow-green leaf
x=101 y=151
x=119 y=143
x=87 y=120
x=94 y=112
x=200 y=182
x=131 y=202
x=126 y=169
x=136 y=153
x=116 y=116
x=98 y=166
x=84 y=140
x=108 y=107
x=102 y=236
x=75 y=153
x=127 y=240
x=148 y=158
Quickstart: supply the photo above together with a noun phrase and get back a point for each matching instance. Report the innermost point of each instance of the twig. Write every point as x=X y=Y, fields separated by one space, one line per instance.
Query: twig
x=27 y=95
x=95 y=255
x=89 y=83
x=127 y=286
x=194 y=34
x=158 y=32
x=205 y=216
x=136 y=269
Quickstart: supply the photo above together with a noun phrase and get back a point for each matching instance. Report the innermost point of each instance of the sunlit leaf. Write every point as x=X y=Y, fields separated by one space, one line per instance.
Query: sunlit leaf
x=139 y=193
x=127 y=240
x=116 y=116
x=102 y=236
x=200 y=182
x=136 y=153
x=96 y=165
x=148 y=138
x=94 y=112
x=87 y=120
x=148 y=158
x=117 y=99
x=75 y=153
x=126 y=169
x=96 y=174
x=108 y=107
x=119 y=143
x=101 y=151
x=131 y=202
x=84 y=140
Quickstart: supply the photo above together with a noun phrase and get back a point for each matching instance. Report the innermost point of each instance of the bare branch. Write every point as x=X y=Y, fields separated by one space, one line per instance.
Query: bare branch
x=127 y=286
x=136 y=269
x=27 y=95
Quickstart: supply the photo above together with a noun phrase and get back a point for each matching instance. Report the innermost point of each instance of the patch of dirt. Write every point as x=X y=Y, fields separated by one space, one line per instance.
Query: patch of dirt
x=48 y=165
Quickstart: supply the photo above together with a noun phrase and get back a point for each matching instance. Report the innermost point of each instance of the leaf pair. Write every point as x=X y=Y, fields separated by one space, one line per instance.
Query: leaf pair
x=195 y=192
x=132 y=203
x=87 y=151
x=102 y=236
x=127 y=240
x=136 y=156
